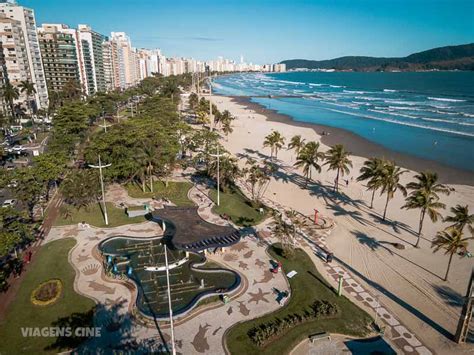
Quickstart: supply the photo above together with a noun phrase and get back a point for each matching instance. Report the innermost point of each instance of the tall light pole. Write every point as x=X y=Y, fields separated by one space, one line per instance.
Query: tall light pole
x=218 y=156
x=169 y=299
x=100 y=167
x=210 y=104
x=105 y=124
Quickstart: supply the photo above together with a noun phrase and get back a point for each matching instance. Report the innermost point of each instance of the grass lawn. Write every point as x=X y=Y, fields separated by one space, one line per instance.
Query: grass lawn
x=94 y=217
x=176 y=192
x=238 y=207
x=50 y=263
x=306 y=287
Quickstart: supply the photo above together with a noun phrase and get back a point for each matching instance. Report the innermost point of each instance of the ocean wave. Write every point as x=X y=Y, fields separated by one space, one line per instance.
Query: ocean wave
x=444 y=99
x=466 y=124
x=404 y=123
x=436 y=120
x=368 y=98
x=354 y=92
x=398 y=102
x=336 y=86
x=466 y=114
x=315 y=84
x=406 y=108
x=389 y=90
x=393 y=113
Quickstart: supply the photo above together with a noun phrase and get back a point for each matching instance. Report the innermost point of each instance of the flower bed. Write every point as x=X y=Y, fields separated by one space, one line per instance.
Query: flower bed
x=47 y=293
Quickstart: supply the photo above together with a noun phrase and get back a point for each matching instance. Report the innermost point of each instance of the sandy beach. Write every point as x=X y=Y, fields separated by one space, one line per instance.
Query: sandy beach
x=408 y=282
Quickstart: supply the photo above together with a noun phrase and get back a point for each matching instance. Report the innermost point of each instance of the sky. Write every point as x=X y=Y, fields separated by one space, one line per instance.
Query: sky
x=270 y=31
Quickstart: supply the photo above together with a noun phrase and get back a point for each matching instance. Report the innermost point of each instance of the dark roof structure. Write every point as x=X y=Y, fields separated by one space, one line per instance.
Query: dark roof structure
x=188 y=231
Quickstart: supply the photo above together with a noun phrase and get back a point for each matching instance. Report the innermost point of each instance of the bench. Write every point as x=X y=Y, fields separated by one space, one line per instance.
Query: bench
x=319 y=336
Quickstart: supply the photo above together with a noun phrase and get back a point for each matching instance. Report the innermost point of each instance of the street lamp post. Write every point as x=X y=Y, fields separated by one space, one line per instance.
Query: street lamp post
x=100 y=167
x=105 y=124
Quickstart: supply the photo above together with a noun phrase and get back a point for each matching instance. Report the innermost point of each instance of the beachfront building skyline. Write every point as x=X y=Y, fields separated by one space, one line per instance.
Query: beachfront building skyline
x=14 y=60
x=29 y=46
x=59 y=49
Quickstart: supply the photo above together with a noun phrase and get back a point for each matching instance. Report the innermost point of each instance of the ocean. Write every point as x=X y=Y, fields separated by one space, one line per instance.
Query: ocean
x=429 y=115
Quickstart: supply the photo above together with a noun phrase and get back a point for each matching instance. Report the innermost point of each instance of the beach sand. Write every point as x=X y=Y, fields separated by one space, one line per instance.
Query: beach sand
x=408 y=282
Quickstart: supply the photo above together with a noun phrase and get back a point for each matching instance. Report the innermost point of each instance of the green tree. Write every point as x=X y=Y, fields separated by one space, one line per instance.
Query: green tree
x=461 y=218
x=308 y=158
x=81 y=188
x=297 y=143
x=284 y=233
x=10 y=94
x=257 y=177
x=424 y=196
x=28 y=88
x=28 y=189
x=275 y=142
x=228 y=171
x=371 y=172
x=337 y=158
x=390 y=182
x=451 y=241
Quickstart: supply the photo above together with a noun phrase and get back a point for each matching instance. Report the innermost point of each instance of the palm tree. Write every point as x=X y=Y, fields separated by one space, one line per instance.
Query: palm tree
x=149 y=159
x=10 y=94
x=283 y=232
x=275 y=141
x=28 y=88
x=390 y=182
x=428 y=181
x=461 y=218
x=452 y=241
x=308 y=158
x=428 y=204
x=338 y=159
x=424 y=195
x=227 y=128
x=296 y=143
x=371 y=171
x=228 y=171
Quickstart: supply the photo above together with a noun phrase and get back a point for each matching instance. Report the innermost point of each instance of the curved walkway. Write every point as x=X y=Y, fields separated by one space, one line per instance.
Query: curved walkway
x=404 y=339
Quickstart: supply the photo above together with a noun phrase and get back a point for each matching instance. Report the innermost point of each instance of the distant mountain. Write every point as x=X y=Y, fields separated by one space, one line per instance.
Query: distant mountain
x=442 y=58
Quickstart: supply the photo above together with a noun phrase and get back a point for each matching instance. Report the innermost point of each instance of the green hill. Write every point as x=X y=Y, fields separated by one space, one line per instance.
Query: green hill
x=443 y=58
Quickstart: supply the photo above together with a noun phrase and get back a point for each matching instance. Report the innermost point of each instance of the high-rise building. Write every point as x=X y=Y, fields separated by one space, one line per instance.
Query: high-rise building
x=91 y=59
x=27 y=23
x=15 y=60
x=59 y=50
x=125 y=66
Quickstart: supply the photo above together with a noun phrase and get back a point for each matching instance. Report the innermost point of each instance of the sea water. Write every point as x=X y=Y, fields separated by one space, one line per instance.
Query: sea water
x=425 y=114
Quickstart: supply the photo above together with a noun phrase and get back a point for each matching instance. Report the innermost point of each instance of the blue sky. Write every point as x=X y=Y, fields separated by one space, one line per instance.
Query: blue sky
x=270 y=31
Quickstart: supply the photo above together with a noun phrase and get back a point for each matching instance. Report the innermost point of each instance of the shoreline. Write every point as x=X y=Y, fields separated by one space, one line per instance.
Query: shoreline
x=360 y=146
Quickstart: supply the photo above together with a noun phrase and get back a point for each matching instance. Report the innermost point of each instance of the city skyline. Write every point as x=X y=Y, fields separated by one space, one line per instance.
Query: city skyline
x=323 y=29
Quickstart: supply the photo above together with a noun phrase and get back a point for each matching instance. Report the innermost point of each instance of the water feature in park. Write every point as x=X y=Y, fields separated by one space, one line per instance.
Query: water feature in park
x=142 y=260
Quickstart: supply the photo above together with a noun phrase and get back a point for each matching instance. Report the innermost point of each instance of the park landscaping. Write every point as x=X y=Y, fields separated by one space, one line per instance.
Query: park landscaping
x=237 y=207
x=176 y=191
x=94 y=216
x=313 y=307
x=51 y=263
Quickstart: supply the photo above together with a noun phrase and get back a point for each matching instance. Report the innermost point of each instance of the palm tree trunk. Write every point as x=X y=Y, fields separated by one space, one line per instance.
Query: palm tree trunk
x=386 y=205
x=372 y=199
x=422 y=217
x=449 y=266
x=143 y=184
x=336 y=183
x=151 y=182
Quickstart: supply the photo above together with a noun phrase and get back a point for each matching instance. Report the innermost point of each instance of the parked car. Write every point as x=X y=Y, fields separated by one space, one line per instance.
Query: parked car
x=8 y=203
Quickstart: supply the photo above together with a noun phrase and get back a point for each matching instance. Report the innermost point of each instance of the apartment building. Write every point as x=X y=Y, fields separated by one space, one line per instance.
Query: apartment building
x=59 y=51
x=27 y=23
